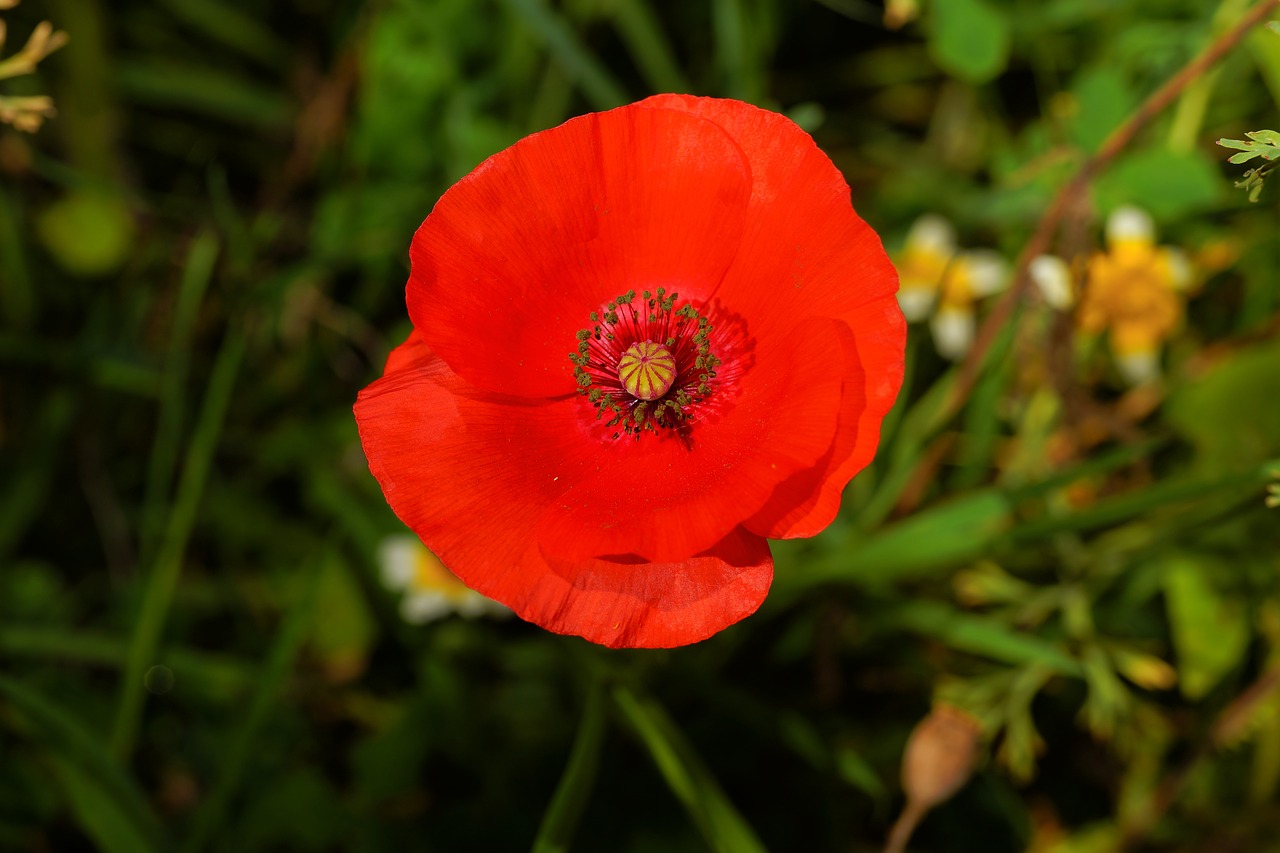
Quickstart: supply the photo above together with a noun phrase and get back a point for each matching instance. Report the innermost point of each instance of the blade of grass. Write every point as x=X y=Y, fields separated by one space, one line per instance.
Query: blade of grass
x=637 y=26
x=731 y=49
x=218 y=676
x=982 y=421
x=601 y=88
x=17 y=297
x=196 y=275
x=75 y=362
x=561 y=820
x=206 y=91
x=1105 y=513
x=917 y=425
x=26 y=490
x=97 y=813
x=279 y=661
x=80 y=747
x=223 y=22
x=722 y=826
x=980 y=635
x=163 y=579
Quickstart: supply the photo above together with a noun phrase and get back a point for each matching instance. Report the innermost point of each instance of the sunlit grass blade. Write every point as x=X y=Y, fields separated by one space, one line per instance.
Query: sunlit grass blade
x=722 y=826
x=196 y=275
x=932 y=540
x=602 y=90
x=163 y=578
x=278 y=663
x=1132 y=504
x=96 y=781
x=560 y=822
x=916 y=427
x=980 y=635
x=982 y=420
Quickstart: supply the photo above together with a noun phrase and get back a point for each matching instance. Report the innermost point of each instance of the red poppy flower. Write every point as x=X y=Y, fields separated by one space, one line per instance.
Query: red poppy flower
x=645 y=342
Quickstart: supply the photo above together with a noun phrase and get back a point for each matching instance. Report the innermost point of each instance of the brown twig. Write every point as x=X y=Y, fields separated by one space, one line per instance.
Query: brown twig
x=1070 y=192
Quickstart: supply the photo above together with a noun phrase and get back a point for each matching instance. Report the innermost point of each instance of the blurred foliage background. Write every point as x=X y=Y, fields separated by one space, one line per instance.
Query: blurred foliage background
x=202 y=258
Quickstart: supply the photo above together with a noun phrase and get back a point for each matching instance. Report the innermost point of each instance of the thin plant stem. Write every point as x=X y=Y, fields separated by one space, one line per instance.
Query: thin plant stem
x=163 y=580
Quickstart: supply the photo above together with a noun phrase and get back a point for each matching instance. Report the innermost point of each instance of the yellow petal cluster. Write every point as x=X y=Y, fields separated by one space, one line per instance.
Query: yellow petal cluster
x=1134 y=292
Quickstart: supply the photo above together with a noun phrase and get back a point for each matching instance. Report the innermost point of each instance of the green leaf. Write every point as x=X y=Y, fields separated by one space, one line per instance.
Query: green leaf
x=343 y=629
x=969 y=39
x=1103 y=100
x=1169 y=185
x=98 y=813
x=565 y=812
x=1210 y=630
x=722 y=826
x=1232 y=413
x=240 y=749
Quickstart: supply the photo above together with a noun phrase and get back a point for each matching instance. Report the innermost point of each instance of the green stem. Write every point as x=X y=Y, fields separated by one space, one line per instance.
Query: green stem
x=274 y=672
x=163 y=580
x=164 y=452
x=565 y=812
x=1188 y=116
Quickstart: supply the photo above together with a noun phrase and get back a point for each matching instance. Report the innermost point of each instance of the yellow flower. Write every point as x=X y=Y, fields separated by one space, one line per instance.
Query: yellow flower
x=1134 y=292
x=430 y=590
x=931 y=271
x=930 y=246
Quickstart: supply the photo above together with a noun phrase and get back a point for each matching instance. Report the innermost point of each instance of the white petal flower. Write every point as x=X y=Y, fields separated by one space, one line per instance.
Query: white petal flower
x=1130 y=224
x=915 y=302
x=932 y=233
x=1139 y=368
x=953 y=331
x=398 y=561
x=1052 y=277
x=987 y=270
x=430 y=590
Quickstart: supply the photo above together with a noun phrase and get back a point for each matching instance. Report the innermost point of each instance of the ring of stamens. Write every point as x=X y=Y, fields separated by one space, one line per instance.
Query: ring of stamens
x=644 y=362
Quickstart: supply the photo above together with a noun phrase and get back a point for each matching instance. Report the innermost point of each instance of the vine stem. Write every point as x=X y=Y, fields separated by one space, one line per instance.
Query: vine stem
x=1068 y=196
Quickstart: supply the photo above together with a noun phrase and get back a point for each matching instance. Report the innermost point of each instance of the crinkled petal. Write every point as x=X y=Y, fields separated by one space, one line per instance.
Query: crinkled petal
x=805 y=252
x=808 y=501
x=664 y=497
x=629 y=602
x=516 y=255
x=449 y=465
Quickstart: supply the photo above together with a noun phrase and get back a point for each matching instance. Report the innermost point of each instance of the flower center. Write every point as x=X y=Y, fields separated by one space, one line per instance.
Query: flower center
x=645 y=363
x=647 y=370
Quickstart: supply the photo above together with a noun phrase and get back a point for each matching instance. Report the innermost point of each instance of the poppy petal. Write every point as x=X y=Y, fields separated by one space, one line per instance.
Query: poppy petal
x=516 y=255
x=807 y=502
x=802 y=231
x=432 y=444
x=804 y=250
x=623 y=602
x=661 y=497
